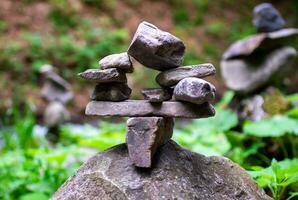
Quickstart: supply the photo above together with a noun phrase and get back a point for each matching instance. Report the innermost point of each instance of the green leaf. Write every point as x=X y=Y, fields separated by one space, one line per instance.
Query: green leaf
x=273 y=127
x=34 y=196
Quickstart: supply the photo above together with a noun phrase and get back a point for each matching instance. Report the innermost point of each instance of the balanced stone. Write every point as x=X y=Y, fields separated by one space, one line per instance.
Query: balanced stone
x=120 y=61
x=177 y=174
x=111 y=92
x=155 y=48
x=156 y=95
x=267 y=18
x=247 y=75
x=143 y=108
x=104 y=76
x=173 y=76
x=260 y=42
x=194 y=90
x=144 y=136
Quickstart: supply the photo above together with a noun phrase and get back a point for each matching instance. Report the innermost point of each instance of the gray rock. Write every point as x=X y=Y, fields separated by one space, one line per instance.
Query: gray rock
x=104 y=76
x=247 y=75
x=261 y=42
x=267 y=18
x=176 y=174
x=144 y=135
x=120 y=61
x=55 y=114
x=173 y=76
x=157 y=95
x=194 y=90
x=143 y=108
x=111 y=92
x=155 y=48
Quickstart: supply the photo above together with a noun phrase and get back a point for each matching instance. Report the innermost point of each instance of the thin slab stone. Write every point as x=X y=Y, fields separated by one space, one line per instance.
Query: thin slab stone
x=267 y=18
x=173 y=76
x=155 y=48
x=194 y=90
x=260 y=42
x=111 y=92
x=156 y=95
x=120 y=61
x=143 y=108
x=104 y=75
x=144 y=136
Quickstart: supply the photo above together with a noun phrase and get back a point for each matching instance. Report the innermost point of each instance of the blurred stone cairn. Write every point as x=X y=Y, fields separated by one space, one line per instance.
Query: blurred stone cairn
x=150 y=165
x=252 y=63
x=57 y=92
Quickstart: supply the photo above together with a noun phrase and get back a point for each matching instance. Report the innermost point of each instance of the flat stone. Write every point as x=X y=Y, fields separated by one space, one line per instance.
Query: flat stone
x=260 y=42
x=111 y=92
x=194 y=90
x=157 y=95
x=267 y=18
x=247 y=75
x=143 y=108
x=177 y=173
x=104 y=75
x=173 y=76
x=120 y=61
x=155 y=48
x=144 y=135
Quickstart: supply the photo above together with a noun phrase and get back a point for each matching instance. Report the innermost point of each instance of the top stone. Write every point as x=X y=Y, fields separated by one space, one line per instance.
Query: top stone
x=120 y=61
x=155 y=48
x=267 y=18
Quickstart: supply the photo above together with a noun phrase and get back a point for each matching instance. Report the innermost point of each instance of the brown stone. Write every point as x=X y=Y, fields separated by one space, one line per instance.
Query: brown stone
x=111 y=92
x=120 y=61
x=144 y=135
x=104 y=76
x=143 y=108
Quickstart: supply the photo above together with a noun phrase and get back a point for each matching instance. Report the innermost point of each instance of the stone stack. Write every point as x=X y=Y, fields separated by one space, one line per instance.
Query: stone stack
x=252 y=63
x=182 y=93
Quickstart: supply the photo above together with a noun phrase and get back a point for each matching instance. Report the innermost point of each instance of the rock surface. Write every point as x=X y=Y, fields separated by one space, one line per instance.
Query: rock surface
x=120 y=61
x=156 y=95
x=104 y=76
x=260 y=42
x=177 y=174
x=111 y=92
x=144 y=135
x=155 y=48
x=247 y=75
x=173 y=76
x=143 y=108
x=267 y=18
x=55 y=114
x=194 y=90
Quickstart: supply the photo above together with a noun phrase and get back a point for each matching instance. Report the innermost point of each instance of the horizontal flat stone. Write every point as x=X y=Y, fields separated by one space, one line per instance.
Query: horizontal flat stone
x=143 y=108
x=173 y=76
x=155 y=48
x=111 y=92
x=120 y=61
x=104 y=75
x=260 y=42
x=157 y=95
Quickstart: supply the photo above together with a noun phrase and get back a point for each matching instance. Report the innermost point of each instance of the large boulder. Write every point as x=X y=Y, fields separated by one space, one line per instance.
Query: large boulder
x=176 y=174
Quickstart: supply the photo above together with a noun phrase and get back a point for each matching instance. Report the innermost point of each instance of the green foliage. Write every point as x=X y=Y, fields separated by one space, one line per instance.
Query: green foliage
x=215 y=28
x=278 y=177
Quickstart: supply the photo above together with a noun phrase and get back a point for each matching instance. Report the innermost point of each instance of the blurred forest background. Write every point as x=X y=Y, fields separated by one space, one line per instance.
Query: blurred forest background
x=72 y=35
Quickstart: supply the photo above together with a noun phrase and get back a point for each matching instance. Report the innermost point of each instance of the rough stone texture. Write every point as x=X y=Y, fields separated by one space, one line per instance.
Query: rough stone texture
x=120 y=61
x=177 y=174
x=173 y=76
x=260 y=42
x=143 y=108
x=247 y=75
x=157 y=95
x=104 y=76
x=144 y=135
x=267 y=18
x=194 y=90
x=111 y=92
x=155 y=48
